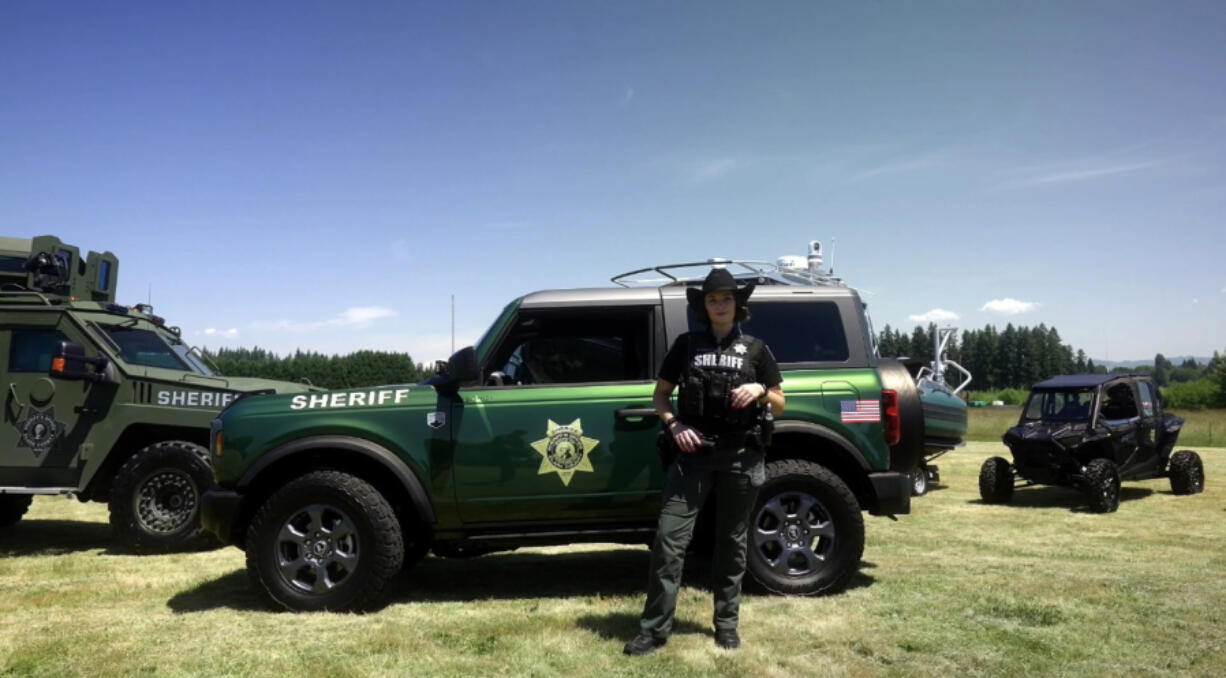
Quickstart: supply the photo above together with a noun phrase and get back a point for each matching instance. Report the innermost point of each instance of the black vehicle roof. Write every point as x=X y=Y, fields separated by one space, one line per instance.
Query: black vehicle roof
x=1081 y=380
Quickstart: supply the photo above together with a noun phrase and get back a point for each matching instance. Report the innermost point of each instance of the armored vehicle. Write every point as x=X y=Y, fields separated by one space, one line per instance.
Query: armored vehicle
x=1089 y=432
x=102 y=401
x=544 y=433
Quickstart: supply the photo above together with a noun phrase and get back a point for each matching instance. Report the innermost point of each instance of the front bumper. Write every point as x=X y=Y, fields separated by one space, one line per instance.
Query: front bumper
x=893 y=490
x=218 y=510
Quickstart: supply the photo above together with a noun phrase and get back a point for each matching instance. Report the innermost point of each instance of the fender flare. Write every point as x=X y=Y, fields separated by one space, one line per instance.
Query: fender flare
x=371 y=451
x=790 y=426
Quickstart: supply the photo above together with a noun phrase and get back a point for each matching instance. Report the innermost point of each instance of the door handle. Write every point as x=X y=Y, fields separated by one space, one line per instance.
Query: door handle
x=635 y=413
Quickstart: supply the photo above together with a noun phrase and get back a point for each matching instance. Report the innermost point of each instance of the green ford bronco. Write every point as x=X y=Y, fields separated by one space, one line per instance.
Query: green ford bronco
x=543 y=433
x=102 y=401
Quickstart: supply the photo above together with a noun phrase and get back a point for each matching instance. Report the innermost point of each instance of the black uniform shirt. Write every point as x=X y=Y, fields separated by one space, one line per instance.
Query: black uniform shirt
x=741 y=352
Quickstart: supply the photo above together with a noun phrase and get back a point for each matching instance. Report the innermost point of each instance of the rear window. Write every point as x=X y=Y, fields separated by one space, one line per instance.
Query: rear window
x=796 y=332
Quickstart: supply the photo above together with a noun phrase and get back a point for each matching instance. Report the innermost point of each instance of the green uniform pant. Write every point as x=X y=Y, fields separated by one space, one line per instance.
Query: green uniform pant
x=735 y=478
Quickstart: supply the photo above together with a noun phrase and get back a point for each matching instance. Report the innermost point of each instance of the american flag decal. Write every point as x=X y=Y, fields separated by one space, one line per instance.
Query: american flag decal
x=860 y=411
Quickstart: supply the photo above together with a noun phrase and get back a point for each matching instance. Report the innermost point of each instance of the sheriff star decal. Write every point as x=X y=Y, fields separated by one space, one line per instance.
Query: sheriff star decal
x=740 y=349
x=565 y=450
x=40 y=431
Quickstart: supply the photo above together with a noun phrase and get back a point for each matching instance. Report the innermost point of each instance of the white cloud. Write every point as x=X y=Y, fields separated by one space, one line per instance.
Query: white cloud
x=361 y=316
x=714 y=169
x=936 y=315
x=1084 y=173
x=356 y=317
x=628 y=96
x=1009 y=306
x=225 y=334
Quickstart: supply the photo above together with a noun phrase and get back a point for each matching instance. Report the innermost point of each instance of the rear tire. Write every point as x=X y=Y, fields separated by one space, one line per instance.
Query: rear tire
x=1187 y=473
x=1103 y=485
x=13 y=507
x=155 y=498
x=996 y=481
x=326 y=541
x=806 y=532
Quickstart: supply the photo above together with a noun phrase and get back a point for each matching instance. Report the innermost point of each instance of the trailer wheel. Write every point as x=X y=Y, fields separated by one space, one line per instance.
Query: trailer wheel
x=919 y=481
x=1187 y=473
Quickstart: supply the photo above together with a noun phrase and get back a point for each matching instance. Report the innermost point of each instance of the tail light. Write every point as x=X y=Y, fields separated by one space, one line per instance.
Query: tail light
x=889 y=417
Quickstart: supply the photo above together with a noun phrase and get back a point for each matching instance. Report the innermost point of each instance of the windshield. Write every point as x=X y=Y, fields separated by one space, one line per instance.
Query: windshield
x=1062 y=405
x=148 y=349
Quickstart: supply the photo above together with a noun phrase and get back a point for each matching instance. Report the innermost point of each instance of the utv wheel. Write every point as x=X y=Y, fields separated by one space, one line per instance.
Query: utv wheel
x=996 y=481
x=155 y=498
x=13 y=507
x=1187 y=473
x=919 y=481
x=806 y=535
x=1103 y=485
x=325 y=541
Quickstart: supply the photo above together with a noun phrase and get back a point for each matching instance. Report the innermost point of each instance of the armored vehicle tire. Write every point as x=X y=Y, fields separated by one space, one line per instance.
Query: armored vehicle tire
x=996 y=481
x=155 y=498
x=326 y=541
x=13 y=507
x=919 y=481
x=1187 y=473
x=1102 y=485
x=806 y=532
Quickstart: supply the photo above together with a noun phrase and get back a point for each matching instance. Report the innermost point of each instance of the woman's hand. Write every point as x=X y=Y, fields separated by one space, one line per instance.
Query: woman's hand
x=686 y=437
x=745 y=394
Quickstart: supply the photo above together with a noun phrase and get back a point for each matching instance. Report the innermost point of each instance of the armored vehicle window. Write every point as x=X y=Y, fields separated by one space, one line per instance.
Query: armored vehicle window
x=144 y=348
x=12 y=264
x=1069 y=405
x=1118 y=403
x=32 y=349
x=796 y=332
x=572 y=348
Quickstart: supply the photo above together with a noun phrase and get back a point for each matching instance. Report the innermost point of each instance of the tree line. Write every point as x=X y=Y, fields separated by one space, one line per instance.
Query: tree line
x=355 y=370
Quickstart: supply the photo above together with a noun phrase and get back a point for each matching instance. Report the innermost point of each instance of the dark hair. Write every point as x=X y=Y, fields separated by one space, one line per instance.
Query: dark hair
x=700 y=314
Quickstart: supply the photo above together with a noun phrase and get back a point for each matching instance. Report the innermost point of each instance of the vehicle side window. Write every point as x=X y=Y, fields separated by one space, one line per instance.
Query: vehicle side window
x=31 y=350
x=796 y=332
x=1147 y=399
x=574 y=348
x=1118 y=403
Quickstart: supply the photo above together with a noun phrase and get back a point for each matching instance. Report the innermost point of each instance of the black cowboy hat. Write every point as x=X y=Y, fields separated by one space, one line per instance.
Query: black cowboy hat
x=718 y=280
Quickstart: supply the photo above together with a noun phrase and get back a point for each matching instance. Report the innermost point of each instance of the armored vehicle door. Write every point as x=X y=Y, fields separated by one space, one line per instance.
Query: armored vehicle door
x=46 y=421
x=562 y=430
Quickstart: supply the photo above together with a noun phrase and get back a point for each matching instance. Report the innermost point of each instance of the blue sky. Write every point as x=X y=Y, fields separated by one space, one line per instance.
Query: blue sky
x=325 y=175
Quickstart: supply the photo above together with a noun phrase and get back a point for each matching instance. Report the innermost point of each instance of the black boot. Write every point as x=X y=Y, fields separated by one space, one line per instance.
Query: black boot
x=642 y=644
x=727 y=639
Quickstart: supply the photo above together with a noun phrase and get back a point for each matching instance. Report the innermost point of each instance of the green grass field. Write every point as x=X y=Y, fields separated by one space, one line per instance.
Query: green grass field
x=958 y=588
x=1201 y=428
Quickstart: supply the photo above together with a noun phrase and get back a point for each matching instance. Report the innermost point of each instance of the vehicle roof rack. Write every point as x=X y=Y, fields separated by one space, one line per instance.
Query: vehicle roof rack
x=762 y=272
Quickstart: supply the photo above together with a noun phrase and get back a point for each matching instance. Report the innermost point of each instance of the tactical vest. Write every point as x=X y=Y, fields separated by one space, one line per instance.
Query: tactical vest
x=705 y=398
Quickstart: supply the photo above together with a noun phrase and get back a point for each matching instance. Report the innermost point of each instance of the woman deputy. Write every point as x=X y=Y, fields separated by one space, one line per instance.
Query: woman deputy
x=728 y=380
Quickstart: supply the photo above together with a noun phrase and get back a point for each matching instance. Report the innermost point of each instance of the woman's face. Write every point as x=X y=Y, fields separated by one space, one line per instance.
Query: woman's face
x=721 y=307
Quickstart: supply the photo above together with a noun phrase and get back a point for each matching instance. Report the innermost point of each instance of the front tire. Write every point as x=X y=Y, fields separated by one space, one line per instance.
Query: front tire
x=155 y=498
x=806 y=534
x=996 y=481
x=1187 y=473
x=13 y=507
x=326 y=541
x=1103 y=485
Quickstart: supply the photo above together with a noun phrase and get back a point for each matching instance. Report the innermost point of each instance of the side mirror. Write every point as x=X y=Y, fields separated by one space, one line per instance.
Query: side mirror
x=71 y=364
x=462 y=366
